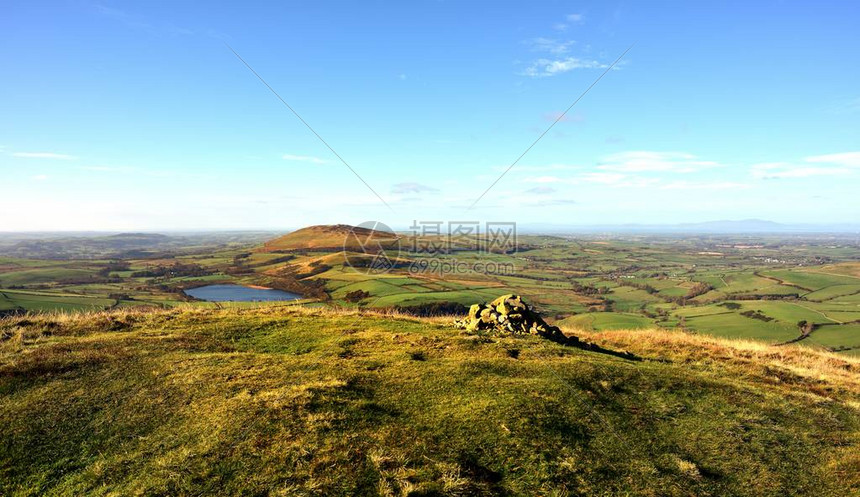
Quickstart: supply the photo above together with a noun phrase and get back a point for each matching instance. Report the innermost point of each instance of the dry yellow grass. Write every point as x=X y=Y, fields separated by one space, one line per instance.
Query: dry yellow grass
x=824 y=371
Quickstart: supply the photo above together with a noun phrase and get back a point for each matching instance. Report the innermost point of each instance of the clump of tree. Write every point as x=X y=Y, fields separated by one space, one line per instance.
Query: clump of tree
x=756 y=315
x=589 y=289
x=434 y=309
x=761 y=296
x=316 y=267
x=639 y=286
x=699 y=288
x=732 y=306
x=805 y=327
x=112 y=267
x=356 y=296
x=289 y=281
x=176 y=270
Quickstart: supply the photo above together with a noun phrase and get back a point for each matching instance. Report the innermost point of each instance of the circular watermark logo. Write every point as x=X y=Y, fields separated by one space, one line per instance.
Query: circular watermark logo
x=372 y=247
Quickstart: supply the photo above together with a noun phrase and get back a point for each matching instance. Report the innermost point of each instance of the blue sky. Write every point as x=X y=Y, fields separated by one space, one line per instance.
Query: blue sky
x=135 y=116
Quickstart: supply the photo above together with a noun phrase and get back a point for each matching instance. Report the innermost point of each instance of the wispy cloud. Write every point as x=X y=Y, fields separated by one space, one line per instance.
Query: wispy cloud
x=142 y=171
x=113 y=169
x=615 y=180
x=40 y=177
x=138 y=23
x=558 y=60
x=780 y=170
x=550 y=45
x=402 y=188
x=551 y=67
x=569 y=19
x=846 y=106
x=542 y=190
x=849 y=159
x=543 y=168
x=553 y=202
x=304 y=158
x=541 y=196
x=636 y=169
x=650 y=161
x=704 y=185
x=603 y=178
x=43 y=155
x=104 y=168
x=838 y=164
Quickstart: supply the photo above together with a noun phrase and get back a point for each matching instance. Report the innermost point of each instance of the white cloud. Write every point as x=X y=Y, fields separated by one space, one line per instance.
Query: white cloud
x=107 y=168
x=412 y=188
x=548 y=67
x=838 y=164
x=548 y=167
x=40 y=177
x=615 y=180
x=575 y=17
x=304 y=158
x=779 y=170
x=637 y=182
x=550 y=45
x=540 y=196
x=849 y=159
x=704 y=185
x=541 y=190
x=644 y=161
x=603 y=178
x=42 y=155
x=550 y=202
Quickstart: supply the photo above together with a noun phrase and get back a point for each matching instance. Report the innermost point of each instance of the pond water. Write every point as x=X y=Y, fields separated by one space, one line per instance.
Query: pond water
x=239 y=293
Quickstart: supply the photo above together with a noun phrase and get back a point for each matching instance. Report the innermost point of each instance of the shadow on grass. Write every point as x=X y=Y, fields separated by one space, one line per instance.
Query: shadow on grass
x=572 y=341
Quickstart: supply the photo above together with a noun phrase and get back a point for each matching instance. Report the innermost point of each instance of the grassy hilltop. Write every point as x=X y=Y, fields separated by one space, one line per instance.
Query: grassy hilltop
x=292 y=400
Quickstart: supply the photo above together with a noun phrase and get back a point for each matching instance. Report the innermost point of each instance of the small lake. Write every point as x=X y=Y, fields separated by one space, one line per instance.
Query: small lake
x=239 y=293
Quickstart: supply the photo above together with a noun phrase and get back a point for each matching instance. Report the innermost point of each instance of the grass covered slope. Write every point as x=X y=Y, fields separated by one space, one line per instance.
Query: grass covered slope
x=298 y=401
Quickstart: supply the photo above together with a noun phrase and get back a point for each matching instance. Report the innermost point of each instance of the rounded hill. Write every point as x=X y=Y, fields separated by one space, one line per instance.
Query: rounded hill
x=337 y=236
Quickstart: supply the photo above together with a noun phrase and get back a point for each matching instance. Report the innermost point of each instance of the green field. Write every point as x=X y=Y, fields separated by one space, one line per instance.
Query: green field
x=733 y=325
x=812 y=279
x=599 y=321
x=595 y=282
x=36 y=276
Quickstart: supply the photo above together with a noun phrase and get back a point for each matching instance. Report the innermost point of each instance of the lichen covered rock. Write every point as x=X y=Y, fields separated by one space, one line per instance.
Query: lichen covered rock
x=509 y=314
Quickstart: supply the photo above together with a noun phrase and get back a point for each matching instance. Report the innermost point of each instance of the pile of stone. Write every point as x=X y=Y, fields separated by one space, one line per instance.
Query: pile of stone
x=508 y=314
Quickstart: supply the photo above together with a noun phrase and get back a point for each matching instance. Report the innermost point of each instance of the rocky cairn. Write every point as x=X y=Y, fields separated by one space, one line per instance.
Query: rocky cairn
x=508 y=314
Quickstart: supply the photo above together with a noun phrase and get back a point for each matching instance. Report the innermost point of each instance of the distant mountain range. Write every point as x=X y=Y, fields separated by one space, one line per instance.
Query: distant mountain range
x=709 y=227
x=95 y=245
